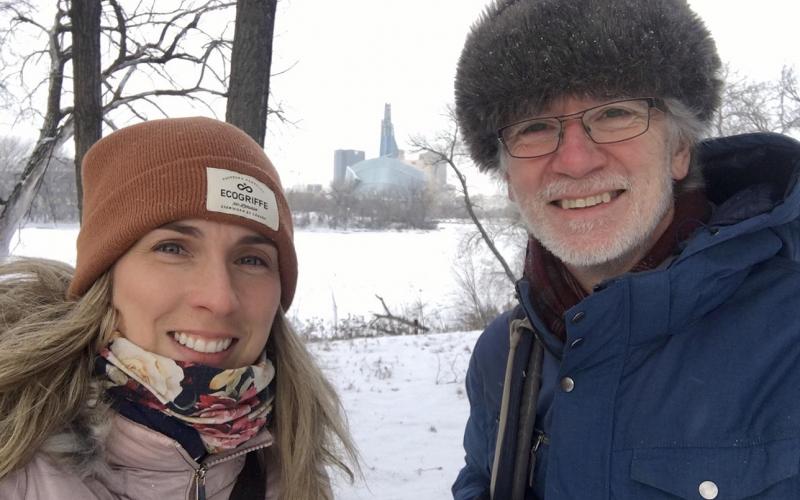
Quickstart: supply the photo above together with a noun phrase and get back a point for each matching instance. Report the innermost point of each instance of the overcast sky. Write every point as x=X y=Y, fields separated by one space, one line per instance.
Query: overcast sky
x=352 y=56
x=349 y=57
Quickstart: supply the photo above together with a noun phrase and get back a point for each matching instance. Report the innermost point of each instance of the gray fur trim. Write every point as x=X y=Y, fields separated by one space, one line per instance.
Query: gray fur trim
x=81 y=446
x=521 y=54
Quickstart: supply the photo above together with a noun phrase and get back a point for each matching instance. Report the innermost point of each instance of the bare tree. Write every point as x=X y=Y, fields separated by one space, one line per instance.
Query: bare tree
x=56 y=125
x=758 y=106
x=155 y=53
x=481 y=296
x=55 y=200
x=251 y=60
x=788 y=100
x=13 y=154
x=344 y=200
x=447 y=147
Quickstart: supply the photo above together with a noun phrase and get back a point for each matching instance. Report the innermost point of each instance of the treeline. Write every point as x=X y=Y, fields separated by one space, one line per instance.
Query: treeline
x=341 y=207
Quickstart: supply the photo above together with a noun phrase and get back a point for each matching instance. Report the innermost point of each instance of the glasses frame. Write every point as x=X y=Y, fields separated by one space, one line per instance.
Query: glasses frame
x=652 y=102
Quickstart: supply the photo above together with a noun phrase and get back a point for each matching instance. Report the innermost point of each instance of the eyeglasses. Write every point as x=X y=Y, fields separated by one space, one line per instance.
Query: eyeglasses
x=607 y=123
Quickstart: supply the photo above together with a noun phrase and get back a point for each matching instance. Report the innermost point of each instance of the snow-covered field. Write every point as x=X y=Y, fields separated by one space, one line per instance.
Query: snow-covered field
x=342 y=272
x=406 y=405
x=404 y=396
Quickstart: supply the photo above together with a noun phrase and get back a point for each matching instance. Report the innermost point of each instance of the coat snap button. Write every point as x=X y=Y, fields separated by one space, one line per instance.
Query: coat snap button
x=578 y=317
x=708 y=490
x=567 y=384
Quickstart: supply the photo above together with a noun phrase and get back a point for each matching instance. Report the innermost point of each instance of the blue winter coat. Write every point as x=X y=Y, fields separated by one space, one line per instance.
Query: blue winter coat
x=685 y=380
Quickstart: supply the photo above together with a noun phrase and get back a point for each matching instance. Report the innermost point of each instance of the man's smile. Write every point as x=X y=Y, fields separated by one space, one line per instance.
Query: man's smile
x=586 y=202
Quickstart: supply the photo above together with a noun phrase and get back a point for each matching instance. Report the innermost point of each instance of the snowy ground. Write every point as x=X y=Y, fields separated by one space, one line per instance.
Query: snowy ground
x=404 y=396
x=406 y=405
x=342 y=272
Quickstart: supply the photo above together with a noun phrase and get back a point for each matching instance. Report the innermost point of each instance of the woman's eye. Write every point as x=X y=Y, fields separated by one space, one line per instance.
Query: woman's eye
x=252 y=260
x=169 y=248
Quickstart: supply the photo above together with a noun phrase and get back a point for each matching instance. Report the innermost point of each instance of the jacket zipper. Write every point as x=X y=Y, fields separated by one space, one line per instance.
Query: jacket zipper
x=200 y=482
x=200 y=472
x=541 y=438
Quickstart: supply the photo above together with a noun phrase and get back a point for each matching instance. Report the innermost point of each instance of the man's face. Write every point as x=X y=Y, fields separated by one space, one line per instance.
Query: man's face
x=592 y=204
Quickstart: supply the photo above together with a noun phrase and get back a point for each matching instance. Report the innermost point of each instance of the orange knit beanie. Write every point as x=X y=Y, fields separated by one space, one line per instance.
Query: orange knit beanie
x=146 y=175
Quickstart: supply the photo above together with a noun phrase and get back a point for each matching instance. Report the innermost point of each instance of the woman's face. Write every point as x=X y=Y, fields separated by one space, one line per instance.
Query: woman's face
x=199 y=291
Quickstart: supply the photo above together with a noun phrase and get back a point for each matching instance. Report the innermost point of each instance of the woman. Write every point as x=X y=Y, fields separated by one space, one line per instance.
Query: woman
x=164 y=367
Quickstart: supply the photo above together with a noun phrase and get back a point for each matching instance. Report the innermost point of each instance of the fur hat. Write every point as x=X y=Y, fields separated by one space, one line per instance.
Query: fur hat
x=146 y=175
x=522 y=54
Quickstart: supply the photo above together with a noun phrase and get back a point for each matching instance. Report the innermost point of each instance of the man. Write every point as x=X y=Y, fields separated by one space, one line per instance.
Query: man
x=655 y=353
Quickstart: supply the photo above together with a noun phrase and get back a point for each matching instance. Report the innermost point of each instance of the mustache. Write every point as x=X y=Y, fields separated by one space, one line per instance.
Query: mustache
x=562 y=188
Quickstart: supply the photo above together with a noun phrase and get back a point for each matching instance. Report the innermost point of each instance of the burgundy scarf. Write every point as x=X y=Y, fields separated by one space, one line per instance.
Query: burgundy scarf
x=554 y=289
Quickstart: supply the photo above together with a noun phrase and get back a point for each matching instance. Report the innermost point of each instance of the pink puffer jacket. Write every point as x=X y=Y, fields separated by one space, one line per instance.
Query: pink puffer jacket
x=138 y=464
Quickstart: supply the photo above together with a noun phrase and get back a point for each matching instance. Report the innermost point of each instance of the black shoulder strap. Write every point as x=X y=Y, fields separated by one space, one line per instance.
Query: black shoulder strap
x=525 y=459
x=513 y=474
x=252 y=480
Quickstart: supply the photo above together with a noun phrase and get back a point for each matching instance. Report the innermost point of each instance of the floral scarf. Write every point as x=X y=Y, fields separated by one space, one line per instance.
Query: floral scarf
x=225 y=406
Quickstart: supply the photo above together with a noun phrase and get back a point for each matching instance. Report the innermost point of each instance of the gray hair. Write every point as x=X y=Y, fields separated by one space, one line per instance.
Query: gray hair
x=686 y=128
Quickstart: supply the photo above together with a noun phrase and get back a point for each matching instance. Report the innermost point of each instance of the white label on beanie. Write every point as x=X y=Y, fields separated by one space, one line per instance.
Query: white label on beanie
x=233 y=193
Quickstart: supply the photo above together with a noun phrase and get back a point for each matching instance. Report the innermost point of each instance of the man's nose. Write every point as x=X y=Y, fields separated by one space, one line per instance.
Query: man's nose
x=577 y=155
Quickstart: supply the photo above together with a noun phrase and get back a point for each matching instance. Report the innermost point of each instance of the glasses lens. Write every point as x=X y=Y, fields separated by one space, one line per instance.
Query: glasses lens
x=617 y=121
x=531 y=138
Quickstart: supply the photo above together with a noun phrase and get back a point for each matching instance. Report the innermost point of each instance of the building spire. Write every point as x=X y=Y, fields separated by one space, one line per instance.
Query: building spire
x=388 y=144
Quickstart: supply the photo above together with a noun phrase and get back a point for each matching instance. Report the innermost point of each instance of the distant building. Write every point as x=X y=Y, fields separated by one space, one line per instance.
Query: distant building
x=343 y=158
x=434 y=168
x=388 y=143
x=386 y=174
x=390 y=171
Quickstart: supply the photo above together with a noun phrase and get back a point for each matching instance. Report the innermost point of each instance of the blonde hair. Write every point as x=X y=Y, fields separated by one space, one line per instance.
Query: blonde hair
x=309 y=427
x=48 y=345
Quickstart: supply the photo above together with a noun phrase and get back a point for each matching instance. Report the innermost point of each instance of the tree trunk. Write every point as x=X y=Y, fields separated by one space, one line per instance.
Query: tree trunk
x=21 y=198
x=85 y=15
x=251 y=61
x=51 y=137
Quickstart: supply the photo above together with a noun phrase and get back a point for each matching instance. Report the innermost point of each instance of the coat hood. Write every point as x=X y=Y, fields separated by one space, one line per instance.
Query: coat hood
x=752 y=180
x=751 y=174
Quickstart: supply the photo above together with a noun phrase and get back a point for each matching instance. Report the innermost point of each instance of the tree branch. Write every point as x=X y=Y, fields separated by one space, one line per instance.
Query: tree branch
x=446 y=150
x=388 y=316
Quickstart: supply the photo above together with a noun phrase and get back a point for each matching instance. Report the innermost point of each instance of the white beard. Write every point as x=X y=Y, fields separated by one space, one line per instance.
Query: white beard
x=626 y=237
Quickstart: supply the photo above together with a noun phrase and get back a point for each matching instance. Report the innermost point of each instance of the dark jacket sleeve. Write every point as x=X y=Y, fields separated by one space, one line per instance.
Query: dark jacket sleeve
x=484 y=383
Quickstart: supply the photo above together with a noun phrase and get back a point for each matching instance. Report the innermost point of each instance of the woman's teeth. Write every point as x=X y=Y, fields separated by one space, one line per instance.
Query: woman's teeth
x=586 y=202
x=202 y=345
